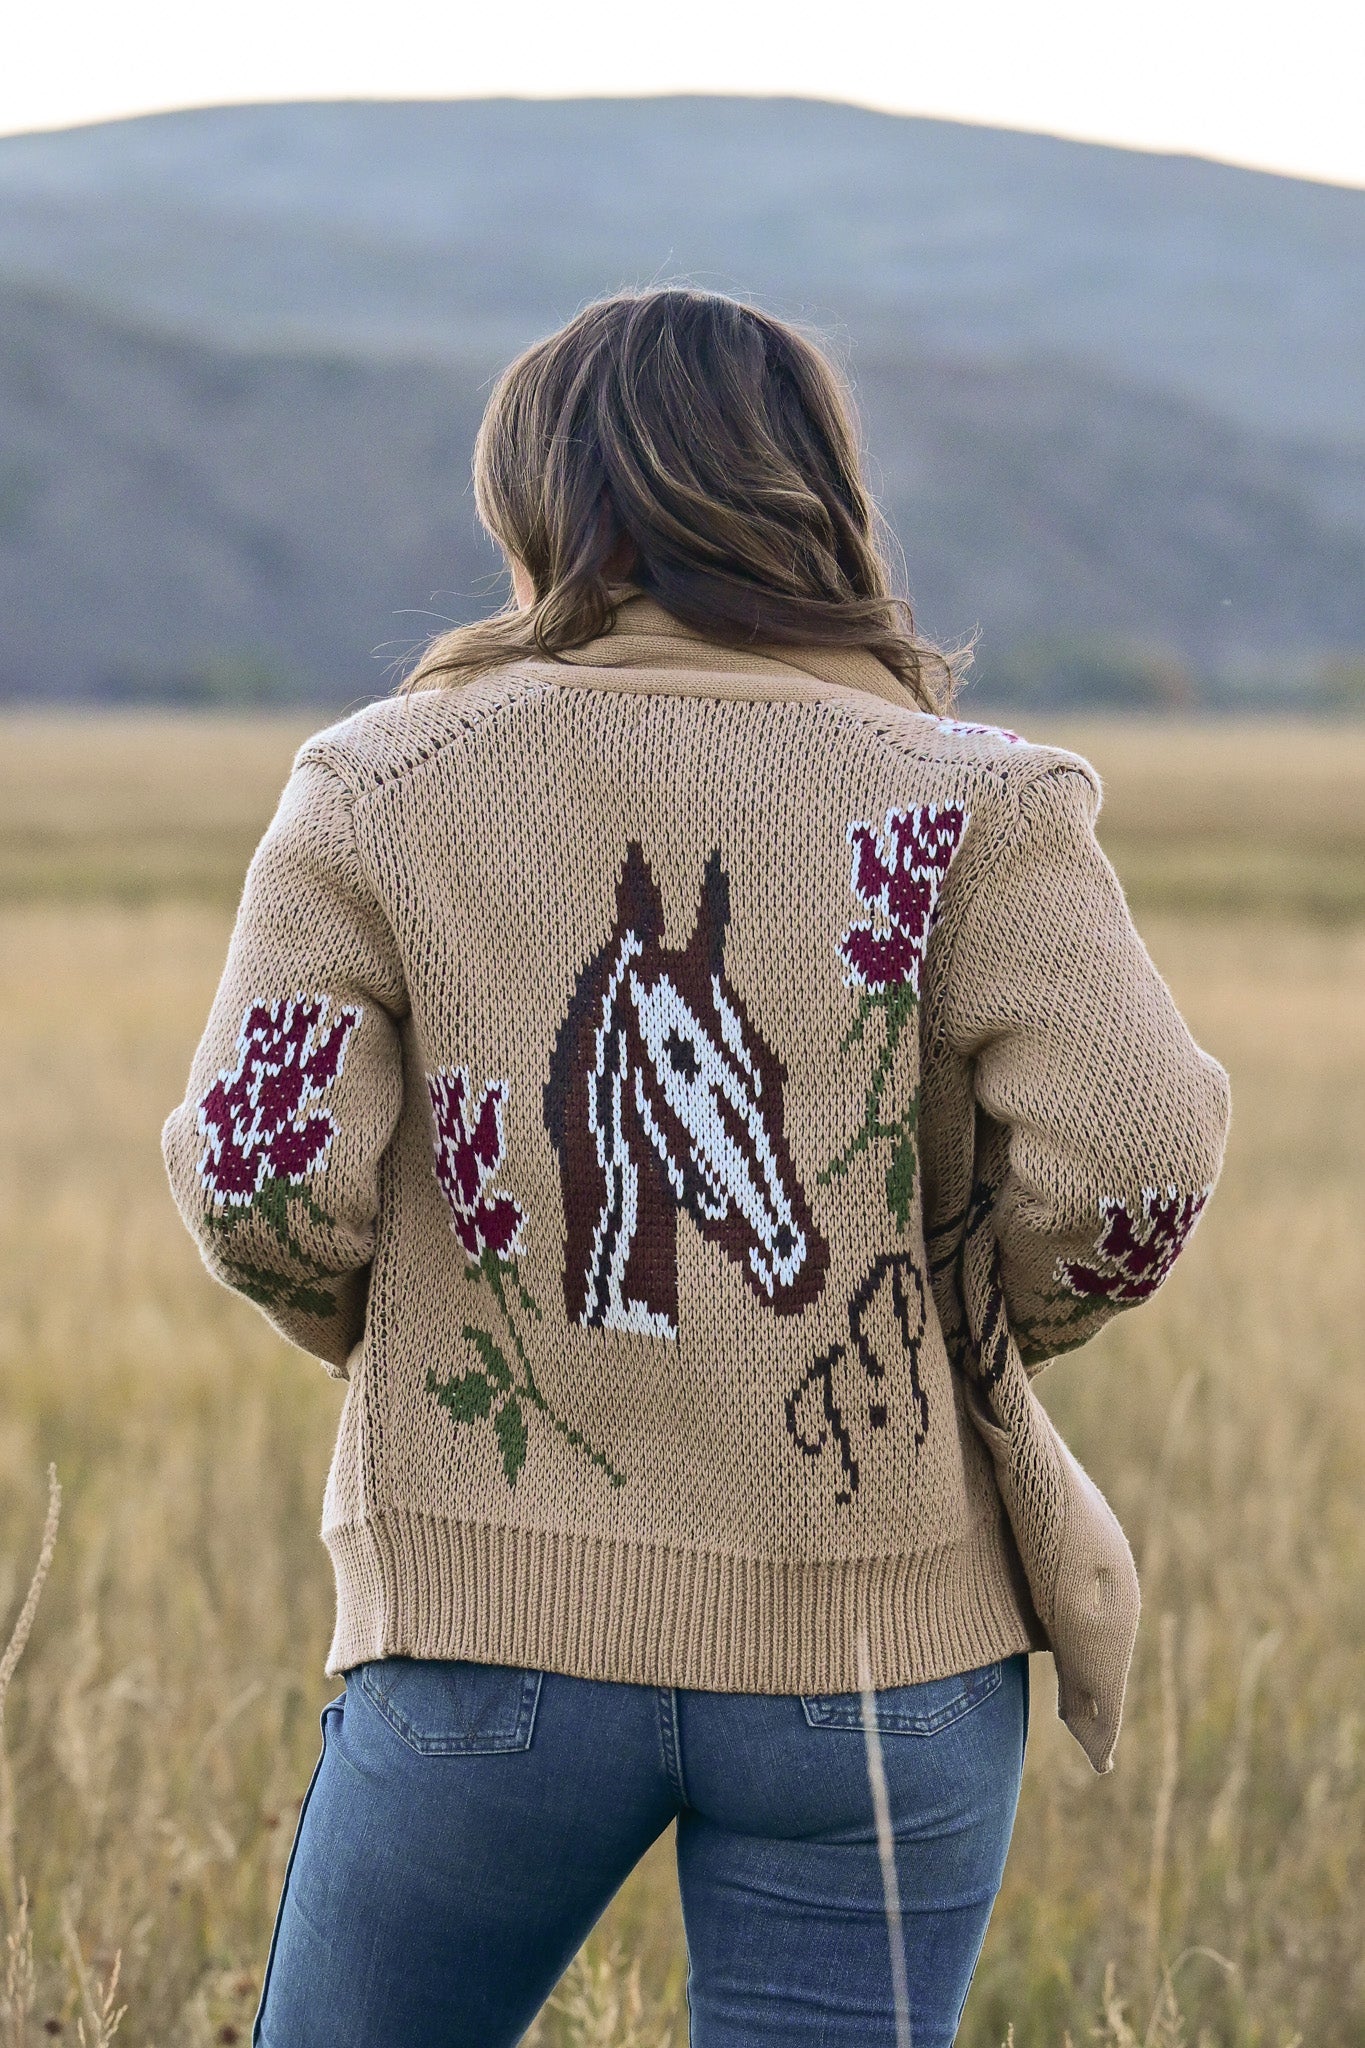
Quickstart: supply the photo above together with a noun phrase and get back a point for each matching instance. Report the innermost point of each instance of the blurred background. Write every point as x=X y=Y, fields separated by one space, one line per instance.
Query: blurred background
x=1097 y=276
x=1114 y=396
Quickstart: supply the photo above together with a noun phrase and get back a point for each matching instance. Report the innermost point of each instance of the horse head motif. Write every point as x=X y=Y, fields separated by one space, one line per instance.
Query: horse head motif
x=664 y=1097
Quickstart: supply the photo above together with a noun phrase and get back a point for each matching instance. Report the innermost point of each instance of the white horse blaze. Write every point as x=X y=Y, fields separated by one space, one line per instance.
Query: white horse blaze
x=620 y=1207
x=691 y=1070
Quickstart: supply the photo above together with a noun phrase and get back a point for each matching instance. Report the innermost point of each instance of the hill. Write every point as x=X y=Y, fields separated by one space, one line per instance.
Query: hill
x=455 y=223
x=1107 y=393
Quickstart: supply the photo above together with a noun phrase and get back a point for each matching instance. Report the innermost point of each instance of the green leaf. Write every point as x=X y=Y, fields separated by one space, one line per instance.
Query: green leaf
x=469 y=1396
x=312 y=1301
x=311 y=1209
x=264 y=1295
x=494 y=1360
x=900 y=1180
x=271 y=1201
x=244 y=1269
x=510 y=1428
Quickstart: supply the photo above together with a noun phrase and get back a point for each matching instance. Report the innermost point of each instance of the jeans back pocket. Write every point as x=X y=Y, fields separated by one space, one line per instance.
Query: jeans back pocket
x=907 y=1709
x=452 y=1707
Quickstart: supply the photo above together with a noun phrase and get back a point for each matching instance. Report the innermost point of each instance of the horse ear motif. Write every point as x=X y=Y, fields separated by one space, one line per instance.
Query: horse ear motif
x=713 y=914
x=639 y=906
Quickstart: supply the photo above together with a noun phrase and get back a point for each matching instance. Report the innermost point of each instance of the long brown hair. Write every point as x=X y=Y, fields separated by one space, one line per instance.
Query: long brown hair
x=707 y=454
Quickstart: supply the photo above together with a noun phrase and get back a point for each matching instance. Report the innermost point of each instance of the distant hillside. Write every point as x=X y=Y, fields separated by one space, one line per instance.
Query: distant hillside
x=172 y=514
x=1107 y=393
x=458 y=223
x=169 y=510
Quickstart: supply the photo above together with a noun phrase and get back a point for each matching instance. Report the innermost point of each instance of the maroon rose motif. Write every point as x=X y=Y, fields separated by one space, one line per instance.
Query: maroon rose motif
x=469 y=1149
x=899 y=872
x=258 y=1121
x=1134 y=1255
x=497 y=1385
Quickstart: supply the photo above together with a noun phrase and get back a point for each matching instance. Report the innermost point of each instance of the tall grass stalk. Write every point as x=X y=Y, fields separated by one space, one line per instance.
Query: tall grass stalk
x=21 y=1982
x=886 y=1844
x=99 y=2018
x=1165 y=1794
x=9 y=1663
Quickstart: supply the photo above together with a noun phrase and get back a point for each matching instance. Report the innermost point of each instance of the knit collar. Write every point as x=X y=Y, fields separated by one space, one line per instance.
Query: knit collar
x=647 y=638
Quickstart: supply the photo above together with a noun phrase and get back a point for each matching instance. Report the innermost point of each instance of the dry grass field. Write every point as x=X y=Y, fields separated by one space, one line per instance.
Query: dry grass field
x=163 y=1721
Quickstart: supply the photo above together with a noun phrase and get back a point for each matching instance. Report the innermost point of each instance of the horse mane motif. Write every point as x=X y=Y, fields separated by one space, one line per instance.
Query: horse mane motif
x=663 y=1096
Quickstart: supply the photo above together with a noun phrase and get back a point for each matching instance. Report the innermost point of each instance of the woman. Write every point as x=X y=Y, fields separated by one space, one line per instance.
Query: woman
x=686 y=1084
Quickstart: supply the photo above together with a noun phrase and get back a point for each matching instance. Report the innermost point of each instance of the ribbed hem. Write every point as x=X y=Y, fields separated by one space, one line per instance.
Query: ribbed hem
x=418 y=1585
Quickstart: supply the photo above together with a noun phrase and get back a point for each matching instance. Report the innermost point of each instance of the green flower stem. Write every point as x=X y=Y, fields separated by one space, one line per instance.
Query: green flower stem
x=491 y=1269
x=575 y=1437
x=899 y=1006
x=866 y=1005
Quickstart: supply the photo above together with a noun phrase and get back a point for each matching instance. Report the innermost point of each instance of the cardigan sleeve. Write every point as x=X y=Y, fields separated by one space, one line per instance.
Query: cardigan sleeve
x=274 y=1155
x=1100 y=1123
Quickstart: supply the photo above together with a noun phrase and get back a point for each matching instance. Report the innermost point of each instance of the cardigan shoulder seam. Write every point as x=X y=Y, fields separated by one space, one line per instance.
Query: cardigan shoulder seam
x=1022 y=768
x=342 y=749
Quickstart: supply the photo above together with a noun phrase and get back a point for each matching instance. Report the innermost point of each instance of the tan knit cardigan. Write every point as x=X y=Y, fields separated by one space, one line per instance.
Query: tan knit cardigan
x=688 y=1095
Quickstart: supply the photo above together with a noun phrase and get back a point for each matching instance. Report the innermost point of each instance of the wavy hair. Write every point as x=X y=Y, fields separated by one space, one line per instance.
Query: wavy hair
x=703 y=452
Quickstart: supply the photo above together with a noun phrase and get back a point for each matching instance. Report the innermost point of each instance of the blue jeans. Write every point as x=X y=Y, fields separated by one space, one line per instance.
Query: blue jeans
x=467 y=1824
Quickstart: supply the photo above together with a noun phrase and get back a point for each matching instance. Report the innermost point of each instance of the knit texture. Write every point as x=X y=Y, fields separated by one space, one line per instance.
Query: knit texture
x=688 y=1095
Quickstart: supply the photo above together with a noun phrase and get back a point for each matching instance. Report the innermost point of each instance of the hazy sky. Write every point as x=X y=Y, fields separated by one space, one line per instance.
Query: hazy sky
x=1278 y=87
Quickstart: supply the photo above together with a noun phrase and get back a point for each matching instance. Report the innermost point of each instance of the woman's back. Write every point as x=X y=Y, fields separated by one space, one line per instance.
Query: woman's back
x=626 y=1181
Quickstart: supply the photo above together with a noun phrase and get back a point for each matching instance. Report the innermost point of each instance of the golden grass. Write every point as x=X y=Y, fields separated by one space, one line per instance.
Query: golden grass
x=162 y=1724
x=1226 y=818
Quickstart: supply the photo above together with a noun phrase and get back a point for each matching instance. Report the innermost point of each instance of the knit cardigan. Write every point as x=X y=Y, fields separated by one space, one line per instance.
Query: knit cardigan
x=688 y=1095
